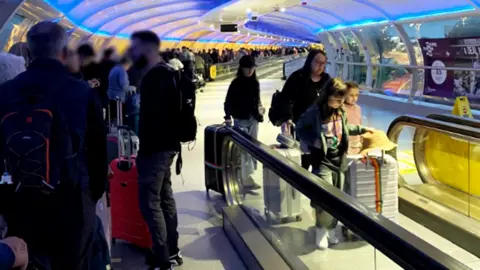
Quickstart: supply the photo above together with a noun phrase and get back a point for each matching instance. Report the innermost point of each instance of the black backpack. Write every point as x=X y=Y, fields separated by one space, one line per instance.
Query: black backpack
x=37 y=146
x=187 y=129
x=280 y=109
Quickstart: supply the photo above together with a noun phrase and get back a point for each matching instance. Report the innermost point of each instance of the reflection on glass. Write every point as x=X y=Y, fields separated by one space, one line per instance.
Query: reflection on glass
x=396 y=81
x=438 y=168
x=288 y=221
x=385 y=45
x=14 y=31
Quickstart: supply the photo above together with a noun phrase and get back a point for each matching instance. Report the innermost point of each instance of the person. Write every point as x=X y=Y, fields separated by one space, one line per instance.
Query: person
x=200 y=65
x=72 y=63
x=10 y=66
x=21 y=49
x=173 y=61
x=323 y=132
x=302 y=89
x=13 y=254
x=354 y=115
x=118 y=85
x=91 y=70
x=56 y=216
x=159 y=114
x=243 y=104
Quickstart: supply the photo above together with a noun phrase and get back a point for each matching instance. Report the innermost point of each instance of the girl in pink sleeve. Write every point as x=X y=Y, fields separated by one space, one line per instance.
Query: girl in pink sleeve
x=354 y=116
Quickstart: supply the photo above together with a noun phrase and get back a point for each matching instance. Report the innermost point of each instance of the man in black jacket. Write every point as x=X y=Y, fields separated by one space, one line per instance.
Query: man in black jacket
x=59 y=227
x=159 y=114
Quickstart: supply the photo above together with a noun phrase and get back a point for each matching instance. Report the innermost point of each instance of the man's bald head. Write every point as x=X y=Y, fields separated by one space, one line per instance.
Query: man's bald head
x=47 y=39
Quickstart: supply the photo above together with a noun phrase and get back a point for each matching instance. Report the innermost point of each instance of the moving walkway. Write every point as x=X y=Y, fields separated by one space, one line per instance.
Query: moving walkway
x=266 y=244
x=442 y=193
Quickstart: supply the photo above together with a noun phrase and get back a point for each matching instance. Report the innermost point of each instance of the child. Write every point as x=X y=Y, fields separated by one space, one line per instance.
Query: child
x=323 y=132
x=354 y=116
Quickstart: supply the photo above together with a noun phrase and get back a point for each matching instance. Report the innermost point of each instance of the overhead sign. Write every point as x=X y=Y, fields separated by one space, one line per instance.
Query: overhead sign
x=452 y=52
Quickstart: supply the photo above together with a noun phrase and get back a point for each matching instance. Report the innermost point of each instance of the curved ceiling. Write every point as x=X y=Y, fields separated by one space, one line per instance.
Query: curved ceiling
x=310 y=17
x=172 y=20
x=279 y=20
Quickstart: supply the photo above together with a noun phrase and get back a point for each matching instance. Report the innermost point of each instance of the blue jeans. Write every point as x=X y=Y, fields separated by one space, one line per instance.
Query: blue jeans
x=249 y=165
x=157 y=203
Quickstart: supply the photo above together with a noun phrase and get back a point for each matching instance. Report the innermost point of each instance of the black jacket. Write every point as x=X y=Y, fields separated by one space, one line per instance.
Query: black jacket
x=160 y=107
x=61 y=224
x=243 y=99
x=298 y=93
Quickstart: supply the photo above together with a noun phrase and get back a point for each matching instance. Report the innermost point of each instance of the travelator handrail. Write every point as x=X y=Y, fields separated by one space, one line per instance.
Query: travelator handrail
x=401 y=246
x=441 y=124
x=456 y=130
x=471 y=122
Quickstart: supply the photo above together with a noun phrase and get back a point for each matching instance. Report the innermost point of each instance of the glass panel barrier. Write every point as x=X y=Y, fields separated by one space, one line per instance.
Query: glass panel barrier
x=292 y=206
x=291 y=224
x=439 y=164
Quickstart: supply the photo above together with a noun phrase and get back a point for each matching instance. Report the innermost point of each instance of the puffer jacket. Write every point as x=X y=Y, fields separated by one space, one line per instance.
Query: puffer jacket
x=10 y=66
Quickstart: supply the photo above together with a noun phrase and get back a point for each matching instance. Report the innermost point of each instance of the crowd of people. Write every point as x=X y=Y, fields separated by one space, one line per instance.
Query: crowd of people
x=66 y=96
x=309 y=95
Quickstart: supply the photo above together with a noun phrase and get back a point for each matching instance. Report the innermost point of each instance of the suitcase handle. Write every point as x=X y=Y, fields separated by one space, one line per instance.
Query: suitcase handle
x=130 y=141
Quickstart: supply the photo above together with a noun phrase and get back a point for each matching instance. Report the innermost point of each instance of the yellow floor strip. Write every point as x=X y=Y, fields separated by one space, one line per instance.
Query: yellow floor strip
x=406 y=163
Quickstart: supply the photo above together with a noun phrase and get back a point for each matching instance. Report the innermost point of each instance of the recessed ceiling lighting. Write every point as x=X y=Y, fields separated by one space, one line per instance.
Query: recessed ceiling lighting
x=211 y=26
x=248 y=10
x=283 y=9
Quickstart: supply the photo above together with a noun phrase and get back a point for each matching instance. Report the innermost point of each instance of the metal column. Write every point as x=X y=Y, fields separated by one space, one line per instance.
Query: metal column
x=368 y=59
x=411 y=57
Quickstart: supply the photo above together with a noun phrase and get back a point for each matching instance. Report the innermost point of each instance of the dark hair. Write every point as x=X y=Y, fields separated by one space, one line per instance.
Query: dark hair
x=240 y=74
x=85 y=50
x=108 y=52
x=125 y=60
x=351 y=85
x=46 y=39
x=307 y=67
x=147 y=37
x=335 y=87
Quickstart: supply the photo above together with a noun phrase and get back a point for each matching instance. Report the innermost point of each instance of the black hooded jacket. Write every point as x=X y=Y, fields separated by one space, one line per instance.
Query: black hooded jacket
x=243 y=99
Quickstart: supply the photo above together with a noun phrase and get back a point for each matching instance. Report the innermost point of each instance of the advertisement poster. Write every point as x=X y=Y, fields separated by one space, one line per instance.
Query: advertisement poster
x=452 y=52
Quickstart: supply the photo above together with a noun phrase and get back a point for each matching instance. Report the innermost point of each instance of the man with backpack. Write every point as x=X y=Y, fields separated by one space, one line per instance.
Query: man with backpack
x=166 y=120
x=53 y=153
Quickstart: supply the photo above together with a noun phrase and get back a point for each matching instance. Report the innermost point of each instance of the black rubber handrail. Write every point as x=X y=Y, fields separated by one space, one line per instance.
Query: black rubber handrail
x=470 y=122
x=401 y=246
x=442 y=126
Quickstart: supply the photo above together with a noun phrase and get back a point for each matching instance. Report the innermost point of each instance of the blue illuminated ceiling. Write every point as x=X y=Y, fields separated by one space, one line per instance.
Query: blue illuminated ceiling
x=318 y=16
x=181 y=19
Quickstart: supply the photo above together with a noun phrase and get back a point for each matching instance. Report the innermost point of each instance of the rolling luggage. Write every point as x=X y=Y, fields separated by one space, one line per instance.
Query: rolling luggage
x=283 y=203
x=373 y=181
x=114 y=145
x=127 y=221
x=214 y=136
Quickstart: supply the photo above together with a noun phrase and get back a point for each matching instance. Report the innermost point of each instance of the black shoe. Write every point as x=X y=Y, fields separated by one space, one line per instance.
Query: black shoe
x=177 y=259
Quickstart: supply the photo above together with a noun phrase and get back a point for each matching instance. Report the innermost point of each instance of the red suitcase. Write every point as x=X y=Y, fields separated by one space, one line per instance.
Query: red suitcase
x=127 y=220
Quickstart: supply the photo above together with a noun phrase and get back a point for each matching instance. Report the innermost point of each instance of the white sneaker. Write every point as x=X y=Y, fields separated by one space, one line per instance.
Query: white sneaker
x=332 y=237
x=321 y=239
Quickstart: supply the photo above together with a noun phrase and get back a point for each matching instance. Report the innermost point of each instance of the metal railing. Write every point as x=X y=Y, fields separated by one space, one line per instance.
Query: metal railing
x=410 y=79
x=401 y=246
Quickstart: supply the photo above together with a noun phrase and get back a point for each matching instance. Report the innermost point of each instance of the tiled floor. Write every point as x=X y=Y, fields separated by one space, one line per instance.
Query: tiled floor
x=202 y=240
